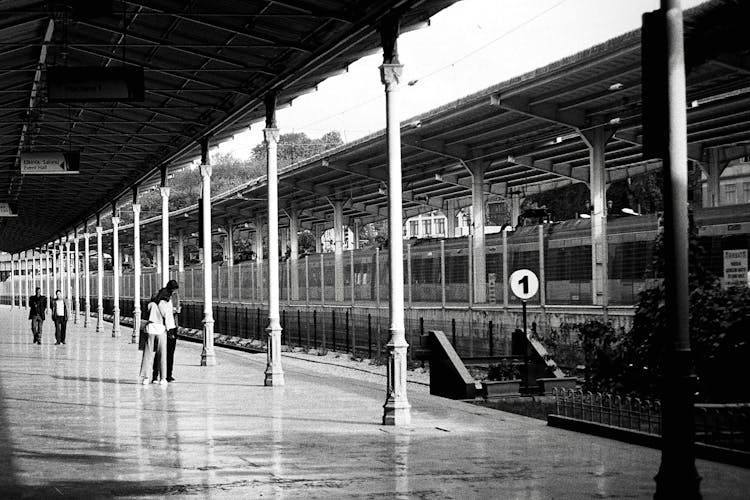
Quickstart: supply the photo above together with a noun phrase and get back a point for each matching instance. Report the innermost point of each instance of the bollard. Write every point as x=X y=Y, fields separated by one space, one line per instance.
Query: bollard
x=369 y=336
x=333 y=319
x=453 y=330
x=492 y=350
x=315 y=329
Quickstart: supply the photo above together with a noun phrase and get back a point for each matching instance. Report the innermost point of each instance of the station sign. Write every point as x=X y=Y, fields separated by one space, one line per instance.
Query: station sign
x=735 y=268
x=524 y=284
x=50 y=163
x=8 y=210
x=95 y=84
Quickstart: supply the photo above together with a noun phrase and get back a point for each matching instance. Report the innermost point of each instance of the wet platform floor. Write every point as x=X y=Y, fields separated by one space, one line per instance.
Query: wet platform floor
x=74 y=423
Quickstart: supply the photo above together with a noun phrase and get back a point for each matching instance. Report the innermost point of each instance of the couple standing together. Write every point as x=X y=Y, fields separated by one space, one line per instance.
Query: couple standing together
x=37 y=305
x=160 y=336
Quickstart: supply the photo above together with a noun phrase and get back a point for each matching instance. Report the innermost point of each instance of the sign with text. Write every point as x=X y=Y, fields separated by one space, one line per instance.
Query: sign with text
x=49 y=163
x=524 y=284
x=735 y=268
x=95 y=84
x=7 y=210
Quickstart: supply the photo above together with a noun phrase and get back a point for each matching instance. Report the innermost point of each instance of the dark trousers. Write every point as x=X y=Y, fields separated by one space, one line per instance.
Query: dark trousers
x=171 y=344
x=60 y=327
x=36 y=328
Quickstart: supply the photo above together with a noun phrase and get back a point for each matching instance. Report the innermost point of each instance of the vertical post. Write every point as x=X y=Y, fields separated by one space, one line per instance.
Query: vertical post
x=164 y=191
x=542 y=279
x=396 y=410
x=77 y=272
x=677 y=477
x=294 y=257
x=356 y=234
x=713 y=179
x=408 y=273
x=86 y=276
x=596 y=139
x=116 y=274
x=157 y=258
x=259 y=256
x=318 y=236
x=208 y=355
x=442 y=274
x=181 y=251
x=338 y=238
x=274 y=375
x=307 y=281
x=67 y=273
x=136 y=267
x=479 y=269
x=515 y=208
x=50 y=292
x=450 y=221
x=99 y=277
x=322 y=281
x=351 y=274
x=13 y=283
x=505 y=272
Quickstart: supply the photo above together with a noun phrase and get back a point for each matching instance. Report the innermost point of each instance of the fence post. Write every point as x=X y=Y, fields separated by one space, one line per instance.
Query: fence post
x=542 y=279
x=351 y=273
x=453 y=332
x=257 y=324
x=492 y=350
x=333 y=319
x=244 y=329
x=408 y=272
x=307 y=282
x=346 y=330
x=315 y=328
x=322 y=281
x=369 y=336
x=299 y=329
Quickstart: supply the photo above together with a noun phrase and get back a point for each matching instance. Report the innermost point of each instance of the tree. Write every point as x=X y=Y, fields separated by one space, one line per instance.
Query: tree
x=297 y=146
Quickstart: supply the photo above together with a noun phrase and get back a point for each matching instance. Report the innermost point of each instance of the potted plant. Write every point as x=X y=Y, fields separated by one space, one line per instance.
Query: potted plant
x=502 y=380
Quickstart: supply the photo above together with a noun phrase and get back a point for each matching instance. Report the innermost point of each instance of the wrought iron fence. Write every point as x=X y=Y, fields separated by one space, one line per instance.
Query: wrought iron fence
x=725 y=425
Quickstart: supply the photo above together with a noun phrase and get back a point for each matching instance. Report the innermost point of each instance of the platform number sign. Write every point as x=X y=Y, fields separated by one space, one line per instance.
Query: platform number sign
x=524 y=284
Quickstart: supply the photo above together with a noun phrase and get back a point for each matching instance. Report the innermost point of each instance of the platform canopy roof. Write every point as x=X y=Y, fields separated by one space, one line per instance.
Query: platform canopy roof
x=527 y=132
x=207 y=67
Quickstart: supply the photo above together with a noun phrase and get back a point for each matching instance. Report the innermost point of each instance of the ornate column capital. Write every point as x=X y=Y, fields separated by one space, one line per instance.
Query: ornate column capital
x=164 y=191
x=115 y=221
x=136 y=208
x=205 y=170
x=390 y=74
x=99 y=230
x=271 y=135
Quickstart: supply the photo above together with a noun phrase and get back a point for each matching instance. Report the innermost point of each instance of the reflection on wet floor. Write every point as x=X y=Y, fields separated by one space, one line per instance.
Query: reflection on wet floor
x=73 y=422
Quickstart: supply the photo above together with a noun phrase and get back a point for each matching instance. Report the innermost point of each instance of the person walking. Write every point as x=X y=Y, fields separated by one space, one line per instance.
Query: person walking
x=156 y=341
x=59 y=317
x=172 y=309
x=37 y=305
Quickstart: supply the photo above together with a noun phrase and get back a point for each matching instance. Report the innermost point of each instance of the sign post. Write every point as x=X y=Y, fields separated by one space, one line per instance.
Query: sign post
x=524 y=284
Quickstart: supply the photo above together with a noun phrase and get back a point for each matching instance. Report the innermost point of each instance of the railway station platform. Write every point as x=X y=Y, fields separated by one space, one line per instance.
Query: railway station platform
x=74 y=423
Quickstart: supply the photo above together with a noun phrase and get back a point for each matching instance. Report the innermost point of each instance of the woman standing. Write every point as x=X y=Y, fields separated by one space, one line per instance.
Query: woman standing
x=157 y=339
x=59 y=317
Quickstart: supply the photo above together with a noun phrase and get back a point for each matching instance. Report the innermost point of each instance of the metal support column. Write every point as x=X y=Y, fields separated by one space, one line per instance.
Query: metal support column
x=478 y=249
x=294 y=256
x=396 y=410
x=274 y=375
x=208 y=355
x=77 y=273
x=338 y=261
x=136 y=268
x=259 y=256
x=164 y=191
x=596 y=139
x=86 y=276
x=181 y=252
x=677 y=477
x=450 y=223
x=99 y=278
x=115 y=275
x=713 y=177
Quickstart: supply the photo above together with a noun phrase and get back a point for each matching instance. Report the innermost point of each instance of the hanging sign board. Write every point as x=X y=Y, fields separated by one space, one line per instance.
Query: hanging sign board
x=53 y=162
x=524 y=284
x=735 y=268
x=95 y=84
x=7 y=210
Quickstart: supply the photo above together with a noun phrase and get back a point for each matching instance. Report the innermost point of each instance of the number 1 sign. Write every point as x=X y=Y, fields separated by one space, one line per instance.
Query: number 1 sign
x=524 y=284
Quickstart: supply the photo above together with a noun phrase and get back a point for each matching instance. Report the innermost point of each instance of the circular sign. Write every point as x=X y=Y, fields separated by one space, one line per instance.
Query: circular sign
x=524 y=284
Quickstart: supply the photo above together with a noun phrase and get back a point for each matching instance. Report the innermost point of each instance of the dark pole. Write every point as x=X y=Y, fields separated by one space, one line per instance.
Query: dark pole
x=525 y=345
x=677 y=477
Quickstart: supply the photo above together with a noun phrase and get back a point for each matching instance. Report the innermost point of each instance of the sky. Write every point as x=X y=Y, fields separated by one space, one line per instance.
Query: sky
x=467 y=47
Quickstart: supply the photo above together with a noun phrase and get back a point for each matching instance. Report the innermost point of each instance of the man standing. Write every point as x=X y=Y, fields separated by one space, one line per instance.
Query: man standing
x=170 y=321
x=60 y=317
x=37 y=305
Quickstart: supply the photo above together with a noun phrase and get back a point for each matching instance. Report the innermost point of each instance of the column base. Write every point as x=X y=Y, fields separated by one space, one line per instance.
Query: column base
x=274 y=379
x=136 y=326
x=100 y=320
x=116 y=324
x=396 y=413
x=208 y=357
x=86 y=316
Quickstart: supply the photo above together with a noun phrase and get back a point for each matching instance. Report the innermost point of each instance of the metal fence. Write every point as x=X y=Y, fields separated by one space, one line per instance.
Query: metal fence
x=724 y=425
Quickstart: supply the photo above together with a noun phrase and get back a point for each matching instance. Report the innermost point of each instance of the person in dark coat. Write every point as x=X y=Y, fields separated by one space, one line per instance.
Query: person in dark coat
x=60 y=317
x=37 y=305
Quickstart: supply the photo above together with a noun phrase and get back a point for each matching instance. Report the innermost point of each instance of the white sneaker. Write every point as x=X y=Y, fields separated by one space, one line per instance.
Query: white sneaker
x=163 y=382
x=144 y=381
